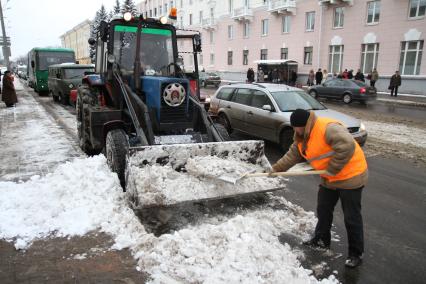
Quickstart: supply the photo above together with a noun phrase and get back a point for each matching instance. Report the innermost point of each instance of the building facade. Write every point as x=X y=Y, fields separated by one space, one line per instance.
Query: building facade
x=329 y=34
x=77 y=39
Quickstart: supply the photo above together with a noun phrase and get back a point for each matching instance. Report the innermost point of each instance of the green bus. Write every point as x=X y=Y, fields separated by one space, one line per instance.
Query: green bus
x=39 y=59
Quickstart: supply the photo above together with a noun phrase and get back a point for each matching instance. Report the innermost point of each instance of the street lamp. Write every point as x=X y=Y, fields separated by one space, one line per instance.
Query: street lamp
x=6 y=47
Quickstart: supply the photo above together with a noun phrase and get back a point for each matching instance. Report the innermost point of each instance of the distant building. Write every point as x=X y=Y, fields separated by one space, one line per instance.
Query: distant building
x=328 y=34
x=76 y=39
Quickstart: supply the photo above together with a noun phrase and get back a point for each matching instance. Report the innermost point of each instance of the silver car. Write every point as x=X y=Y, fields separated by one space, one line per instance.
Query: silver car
x=263 y=110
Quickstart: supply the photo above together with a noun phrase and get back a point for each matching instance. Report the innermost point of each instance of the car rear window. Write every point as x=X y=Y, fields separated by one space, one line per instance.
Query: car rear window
x=359 y=83
x=242 y=96
x=225 y=94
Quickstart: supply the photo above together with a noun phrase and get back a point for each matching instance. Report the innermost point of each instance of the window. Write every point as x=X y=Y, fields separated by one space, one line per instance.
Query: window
x=263 y=54
x=229 y=57
x=181 y=22
x=160 y=10
x=190 y=19
x=201 y=17
x=181 y=3
x=310 y=21
x=369 y=55
x=284 y=53
x=211 y=37
x=155 y=12
x=211 y=13
x=190 y=2
x=338 y=17
x=225 y=94
x=286 y=21
x=150 y=13
x=242 y=96
x=417 y=8
x=265 y=23
x=200 y=59
x=230 y=6
x=246 y=31
x=165 y=9
x=259 y=99
x=373 y=12
x=230 y=32
x=211 y=58
x=411 y=56
x=247 y=3
x=245 y=57
x=307 y=57
x=335 y=58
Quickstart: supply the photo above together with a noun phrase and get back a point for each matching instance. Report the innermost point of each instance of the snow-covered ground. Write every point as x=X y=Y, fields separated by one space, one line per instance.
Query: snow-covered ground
x=75 y=195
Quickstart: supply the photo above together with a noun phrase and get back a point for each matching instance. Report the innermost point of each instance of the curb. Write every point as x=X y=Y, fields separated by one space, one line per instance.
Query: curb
x=401 y=102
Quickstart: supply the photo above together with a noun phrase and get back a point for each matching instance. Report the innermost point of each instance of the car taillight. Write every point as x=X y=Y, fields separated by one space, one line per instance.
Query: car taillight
x=362 y=90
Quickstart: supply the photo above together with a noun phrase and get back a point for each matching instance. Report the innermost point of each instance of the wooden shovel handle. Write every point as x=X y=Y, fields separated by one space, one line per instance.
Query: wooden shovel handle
x=287 y=174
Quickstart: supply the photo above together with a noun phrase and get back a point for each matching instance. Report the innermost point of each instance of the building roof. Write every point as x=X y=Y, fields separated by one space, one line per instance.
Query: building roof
x=85 y=22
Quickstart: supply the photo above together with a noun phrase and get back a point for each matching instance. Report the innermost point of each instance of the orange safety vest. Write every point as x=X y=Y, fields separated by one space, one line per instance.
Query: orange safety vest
x=318 y=153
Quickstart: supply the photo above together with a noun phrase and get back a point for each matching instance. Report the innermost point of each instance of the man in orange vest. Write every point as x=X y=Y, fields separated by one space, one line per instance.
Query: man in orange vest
x=327 y=145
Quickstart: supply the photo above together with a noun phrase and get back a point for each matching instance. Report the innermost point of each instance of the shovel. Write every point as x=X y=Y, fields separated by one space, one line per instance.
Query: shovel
x=234 y=180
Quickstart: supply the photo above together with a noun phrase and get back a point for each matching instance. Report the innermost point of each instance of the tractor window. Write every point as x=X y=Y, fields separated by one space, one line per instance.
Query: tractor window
x=156 y=54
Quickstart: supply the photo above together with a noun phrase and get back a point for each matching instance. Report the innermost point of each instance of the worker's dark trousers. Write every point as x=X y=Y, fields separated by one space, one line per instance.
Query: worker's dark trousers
x=351 y=205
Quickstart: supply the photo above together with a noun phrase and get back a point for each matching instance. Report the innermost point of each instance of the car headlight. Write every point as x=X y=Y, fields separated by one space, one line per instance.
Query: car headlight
x=71 y=86
x=362 y=127
x=208 y=100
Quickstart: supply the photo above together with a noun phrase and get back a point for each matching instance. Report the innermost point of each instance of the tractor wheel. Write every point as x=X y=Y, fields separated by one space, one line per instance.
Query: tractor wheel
x=84 y=101
x=286 y=139
x=116 y=147
x=222 y=131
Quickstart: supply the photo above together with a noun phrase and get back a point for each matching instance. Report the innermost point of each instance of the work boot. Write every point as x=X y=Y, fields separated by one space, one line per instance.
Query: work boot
x=353 y=261
x=316 y=242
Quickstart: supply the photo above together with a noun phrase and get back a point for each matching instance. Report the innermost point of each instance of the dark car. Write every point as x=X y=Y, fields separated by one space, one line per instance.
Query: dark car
x=344 y=89
x=209 y=78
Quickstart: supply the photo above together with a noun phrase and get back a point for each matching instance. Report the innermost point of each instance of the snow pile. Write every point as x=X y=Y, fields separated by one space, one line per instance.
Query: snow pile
x=397 y=133
x=78 y=197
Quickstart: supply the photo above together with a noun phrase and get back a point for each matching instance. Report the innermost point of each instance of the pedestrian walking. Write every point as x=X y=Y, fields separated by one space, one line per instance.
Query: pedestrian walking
x=8 y=93
x=327 y=145
x=359 y=76
x=395 y=82
x=260 y=76
x=311 y=77
x=318 y=77
x=250 y=75
x=374 y=77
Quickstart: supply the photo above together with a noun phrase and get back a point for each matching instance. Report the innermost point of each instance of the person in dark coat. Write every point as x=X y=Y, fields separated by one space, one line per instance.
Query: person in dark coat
x=395 y=82
x=293 y=78
x=318 y=77
x=250 y=75
x=359 y=76
x=351 y=74
x=8 y=93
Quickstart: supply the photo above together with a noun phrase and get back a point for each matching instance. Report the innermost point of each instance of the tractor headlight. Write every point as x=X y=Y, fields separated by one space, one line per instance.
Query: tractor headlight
x=71 y=86
x=163 y=20
x=127 y=16
x=208 y=100
x=362 y=127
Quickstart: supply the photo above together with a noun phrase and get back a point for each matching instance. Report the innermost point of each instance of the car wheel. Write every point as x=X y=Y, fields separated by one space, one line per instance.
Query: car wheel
x=347 y=98
x=286 y=139
x=313 y=93
x=223 y=119
x=116 y=147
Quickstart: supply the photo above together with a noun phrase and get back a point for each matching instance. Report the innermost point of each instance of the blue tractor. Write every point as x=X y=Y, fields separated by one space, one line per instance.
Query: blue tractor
x=139 y=100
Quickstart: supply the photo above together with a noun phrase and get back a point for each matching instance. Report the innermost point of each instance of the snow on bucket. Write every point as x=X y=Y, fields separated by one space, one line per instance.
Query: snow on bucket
x=164 y=175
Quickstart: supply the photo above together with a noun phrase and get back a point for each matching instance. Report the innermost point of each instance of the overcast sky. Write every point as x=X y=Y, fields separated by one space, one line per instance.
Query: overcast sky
x=31 y=23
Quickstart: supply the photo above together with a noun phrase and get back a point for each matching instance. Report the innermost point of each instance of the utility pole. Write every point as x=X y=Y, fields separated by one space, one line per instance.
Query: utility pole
x=5 y=44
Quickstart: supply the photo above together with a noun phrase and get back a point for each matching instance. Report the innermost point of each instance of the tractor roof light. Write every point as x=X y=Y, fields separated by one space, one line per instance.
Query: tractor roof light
x=163 y=20
x=173 y=13
x=127 y=16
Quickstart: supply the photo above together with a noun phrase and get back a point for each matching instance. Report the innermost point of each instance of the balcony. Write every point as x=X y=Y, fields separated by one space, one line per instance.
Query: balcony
x=331 y=2
x=209 y=24
x=282 y=6
x=242 y=14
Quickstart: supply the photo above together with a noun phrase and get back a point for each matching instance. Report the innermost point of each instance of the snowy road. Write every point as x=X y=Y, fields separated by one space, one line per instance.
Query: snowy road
x=48 y=188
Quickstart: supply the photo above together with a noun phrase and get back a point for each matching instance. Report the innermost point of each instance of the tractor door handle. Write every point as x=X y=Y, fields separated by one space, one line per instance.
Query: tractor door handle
x=250 y=112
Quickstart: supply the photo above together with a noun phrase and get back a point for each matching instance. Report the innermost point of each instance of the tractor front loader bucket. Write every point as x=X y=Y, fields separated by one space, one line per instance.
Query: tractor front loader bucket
x=165 y=175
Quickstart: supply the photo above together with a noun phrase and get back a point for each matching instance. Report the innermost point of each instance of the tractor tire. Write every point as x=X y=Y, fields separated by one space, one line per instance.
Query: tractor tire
x=286 y=139
x=222 y=132
x=84 y=101
x=116 y=147
x=223 y=119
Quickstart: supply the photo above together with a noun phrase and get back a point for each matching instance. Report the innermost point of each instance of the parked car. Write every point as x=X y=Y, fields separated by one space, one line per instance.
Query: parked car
x=263 y=110
x=209 y=78
x=65 y=77
x=344 y=89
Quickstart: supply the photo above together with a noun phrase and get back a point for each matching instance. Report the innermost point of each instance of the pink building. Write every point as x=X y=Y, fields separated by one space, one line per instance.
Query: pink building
x=328 y=34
